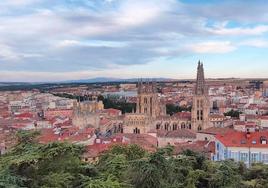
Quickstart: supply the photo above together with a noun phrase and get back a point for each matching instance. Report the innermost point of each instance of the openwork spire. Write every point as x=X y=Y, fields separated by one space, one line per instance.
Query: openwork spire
x=200 y=87
x=146 y=87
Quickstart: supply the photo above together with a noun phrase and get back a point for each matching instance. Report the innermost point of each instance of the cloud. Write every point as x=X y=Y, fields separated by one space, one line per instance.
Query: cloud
x=259 y=43
x=66 y=36
x=258 y=30
x=239 y=11
x=213 y=47
x=18 y=2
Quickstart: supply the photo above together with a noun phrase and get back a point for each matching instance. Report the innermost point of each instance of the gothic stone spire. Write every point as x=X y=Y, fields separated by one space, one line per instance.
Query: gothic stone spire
x=200 y=87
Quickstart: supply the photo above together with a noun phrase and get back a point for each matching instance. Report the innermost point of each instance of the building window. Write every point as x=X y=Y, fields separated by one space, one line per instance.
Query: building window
x=218 y=146
x=145 y=100
x=244 y=157
x=199 y=128
x=136 y=131
x=254 y=157
x=264 y=157
x=158 y=126
x=234 y=155
x=225 y=153
x=183 y=125
x=166 y=126
x=175 y=126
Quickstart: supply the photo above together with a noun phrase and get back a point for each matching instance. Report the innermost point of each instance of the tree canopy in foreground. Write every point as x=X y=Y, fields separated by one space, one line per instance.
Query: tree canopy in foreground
x=30 y=164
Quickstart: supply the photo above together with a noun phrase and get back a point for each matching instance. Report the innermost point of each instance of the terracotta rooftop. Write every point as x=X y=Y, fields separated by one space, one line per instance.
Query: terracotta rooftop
x=26 y=115
x=180 y=133
x=183 y=115
x=71 y=134
x=146 y=141
x=198 y=146
x=216 y=116
x=241 y=139
x=216 y=130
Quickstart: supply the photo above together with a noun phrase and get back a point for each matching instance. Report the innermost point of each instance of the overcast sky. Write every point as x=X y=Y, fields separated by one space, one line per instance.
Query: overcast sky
x=52 y=40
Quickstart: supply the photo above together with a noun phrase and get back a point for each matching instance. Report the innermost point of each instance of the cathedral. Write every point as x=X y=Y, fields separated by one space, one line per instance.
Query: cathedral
x=200 y=106
x=150 y=115
x=148 y=108
x=85 y=114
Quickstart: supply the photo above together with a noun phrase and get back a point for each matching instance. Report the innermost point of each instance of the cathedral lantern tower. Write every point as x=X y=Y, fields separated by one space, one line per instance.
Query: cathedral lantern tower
x=201 y=105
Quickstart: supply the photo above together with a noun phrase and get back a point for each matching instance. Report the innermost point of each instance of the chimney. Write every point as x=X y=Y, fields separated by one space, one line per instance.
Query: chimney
x=248 y=135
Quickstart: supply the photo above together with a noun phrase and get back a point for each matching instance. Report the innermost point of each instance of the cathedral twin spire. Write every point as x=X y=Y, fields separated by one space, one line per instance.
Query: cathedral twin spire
x=147 y=87
x=200 y=87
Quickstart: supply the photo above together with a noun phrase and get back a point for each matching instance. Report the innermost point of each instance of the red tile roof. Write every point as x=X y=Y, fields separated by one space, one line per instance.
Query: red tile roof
x=180 y=133
x=216 y=130
x=72 y=134
x=241 y=139
x=112 y=111
x=183 y=115
x=264 y=117
x=26 y=115
x=146 y=141
x=216 y=116
x=198 y=146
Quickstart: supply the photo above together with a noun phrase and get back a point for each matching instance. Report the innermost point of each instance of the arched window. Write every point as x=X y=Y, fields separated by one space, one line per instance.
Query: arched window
x=183 y=125
x=166 y=126
x=190 y=126
x=145 y=100
x=136 y=131
x=199 y=128
x=158 y=126
x=175 y=126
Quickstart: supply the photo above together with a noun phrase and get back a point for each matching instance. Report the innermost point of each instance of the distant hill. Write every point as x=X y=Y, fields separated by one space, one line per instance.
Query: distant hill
x=108 y=79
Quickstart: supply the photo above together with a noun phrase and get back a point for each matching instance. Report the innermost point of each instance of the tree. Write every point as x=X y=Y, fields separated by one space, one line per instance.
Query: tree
x=233 y=113
x=173 y=109
x=31 y=164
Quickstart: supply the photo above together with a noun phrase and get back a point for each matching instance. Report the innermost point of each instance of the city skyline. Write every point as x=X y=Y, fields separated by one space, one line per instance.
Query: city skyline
x=71 y=40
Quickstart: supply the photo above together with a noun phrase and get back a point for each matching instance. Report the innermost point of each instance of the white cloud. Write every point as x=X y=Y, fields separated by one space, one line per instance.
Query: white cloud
x=259 y=43
x=17 y=2
x=212 y=47
x=7 y=53
x=67 y=43
x=133 y=13
x=258 y=30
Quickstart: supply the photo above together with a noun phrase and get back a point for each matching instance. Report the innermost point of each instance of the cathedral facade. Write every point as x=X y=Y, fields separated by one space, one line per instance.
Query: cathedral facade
x=148 y=108
x=150 y=115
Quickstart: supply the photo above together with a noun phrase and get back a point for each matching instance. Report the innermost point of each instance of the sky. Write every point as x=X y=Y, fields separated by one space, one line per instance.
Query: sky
x=56 y=40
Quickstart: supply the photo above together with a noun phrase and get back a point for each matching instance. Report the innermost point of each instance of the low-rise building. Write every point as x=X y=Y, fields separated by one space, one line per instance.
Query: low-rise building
x=240 y=146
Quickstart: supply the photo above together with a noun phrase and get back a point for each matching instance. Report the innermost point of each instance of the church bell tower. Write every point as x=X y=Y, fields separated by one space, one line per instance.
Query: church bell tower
x=200 y=106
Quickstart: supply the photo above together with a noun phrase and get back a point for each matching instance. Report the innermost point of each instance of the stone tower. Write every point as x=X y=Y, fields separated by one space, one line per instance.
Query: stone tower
x=201 y=106
x=147 y=100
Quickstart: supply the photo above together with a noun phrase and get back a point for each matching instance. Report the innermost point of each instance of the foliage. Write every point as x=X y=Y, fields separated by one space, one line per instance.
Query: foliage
x=30 y=164
x=124 y=106
x=173 y=109
x=233 y=113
